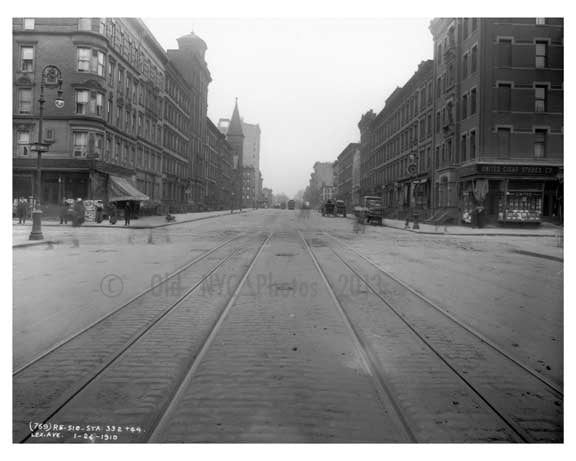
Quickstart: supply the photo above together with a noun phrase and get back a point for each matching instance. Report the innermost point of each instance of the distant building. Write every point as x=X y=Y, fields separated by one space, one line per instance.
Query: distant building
x=322 y=175
x=235 y=137
x=343 y=174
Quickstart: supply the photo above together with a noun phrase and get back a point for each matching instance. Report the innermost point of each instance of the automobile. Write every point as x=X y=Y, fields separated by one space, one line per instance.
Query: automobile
x=328 y=208
x=340 y=208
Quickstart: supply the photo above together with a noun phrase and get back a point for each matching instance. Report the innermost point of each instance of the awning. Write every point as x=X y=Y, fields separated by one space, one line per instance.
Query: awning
x=120 y=189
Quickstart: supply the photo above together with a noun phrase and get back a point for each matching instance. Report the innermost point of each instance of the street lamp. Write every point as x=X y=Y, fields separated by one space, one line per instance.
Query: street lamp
x=51 y=77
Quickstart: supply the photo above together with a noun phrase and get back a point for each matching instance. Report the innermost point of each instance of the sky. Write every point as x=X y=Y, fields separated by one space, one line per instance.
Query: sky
x=306 y=82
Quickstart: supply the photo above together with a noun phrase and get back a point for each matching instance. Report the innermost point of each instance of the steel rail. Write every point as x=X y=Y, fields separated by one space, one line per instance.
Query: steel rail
x=556 y=388
x=520 y=432
x=367 y=357
x=163 y=419
x=127 y=303
x=63 y=400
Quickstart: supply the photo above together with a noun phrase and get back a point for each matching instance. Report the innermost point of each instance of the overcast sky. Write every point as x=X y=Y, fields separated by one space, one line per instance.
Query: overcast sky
x=306 y=82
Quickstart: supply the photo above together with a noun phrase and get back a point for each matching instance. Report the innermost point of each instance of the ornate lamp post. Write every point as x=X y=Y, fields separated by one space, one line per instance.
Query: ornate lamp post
x=51 y=77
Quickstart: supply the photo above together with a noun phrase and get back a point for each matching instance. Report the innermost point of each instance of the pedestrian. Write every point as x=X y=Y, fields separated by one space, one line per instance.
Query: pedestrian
x=64 y=212
x=112 y=213
x=78 y=213
x=127 y=213
x=23 y=210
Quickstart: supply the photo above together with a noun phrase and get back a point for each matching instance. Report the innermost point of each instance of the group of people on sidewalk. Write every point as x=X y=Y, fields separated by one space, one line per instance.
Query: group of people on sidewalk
x=22 y=210
x=76 y=212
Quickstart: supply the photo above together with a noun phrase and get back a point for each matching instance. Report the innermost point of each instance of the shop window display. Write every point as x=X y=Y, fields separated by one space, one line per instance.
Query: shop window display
x=520 y=206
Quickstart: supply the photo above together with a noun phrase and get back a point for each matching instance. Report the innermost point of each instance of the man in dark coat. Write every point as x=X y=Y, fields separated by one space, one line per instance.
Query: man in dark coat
x=64 y=212
x=127 y=213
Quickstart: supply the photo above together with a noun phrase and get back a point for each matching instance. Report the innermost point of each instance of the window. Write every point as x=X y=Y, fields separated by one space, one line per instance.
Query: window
x=110 y=109
x=82 y=100
x=474 y=58
x=84 y=55
x=98 y=62
x=111 y=74
x=473 y=101
x=84 y=24
x=540 y=21
x=505 y=52
x=465 y=66
x=464 y=106
x=80 y=143
x=27 y=59
x=25 y=101
x=503 y=141
x=463 y=148
x=472 y=145
x=437 y=122
x=22 y=142
x=102 y=26
x=97 y=103
x=120 y=79
x=504 y=96
x=540 y=98
x=474 y=24
x=540 y=143
x=29 y=24
x=541 y=48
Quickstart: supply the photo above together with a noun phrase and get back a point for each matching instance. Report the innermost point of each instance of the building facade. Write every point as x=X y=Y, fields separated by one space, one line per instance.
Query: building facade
x=478 y=128
x=134 y=115
x=500 y=145
x=343 y=175
x=221 y=152
x=235 y=138
x=397 y=148
x=322 y=175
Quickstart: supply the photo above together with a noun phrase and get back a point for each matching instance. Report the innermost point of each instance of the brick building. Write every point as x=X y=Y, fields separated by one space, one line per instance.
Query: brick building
x=479 y=127
x=499 y=96
x=134 y=116
x=221 y=152
x=343 y=175
x=396 y=146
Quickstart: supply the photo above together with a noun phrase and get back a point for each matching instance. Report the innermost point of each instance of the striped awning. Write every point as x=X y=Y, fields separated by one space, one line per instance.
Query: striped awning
x=120 y=189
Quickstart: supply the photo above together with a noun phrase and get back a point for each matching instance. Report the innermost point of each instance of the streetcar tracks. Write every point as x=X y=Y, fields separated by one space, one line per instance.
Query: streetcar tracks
x=494 y=395
x=127 y=303
x=553 y=386
x=100 y=366
x=162 y=422
x=369 y=362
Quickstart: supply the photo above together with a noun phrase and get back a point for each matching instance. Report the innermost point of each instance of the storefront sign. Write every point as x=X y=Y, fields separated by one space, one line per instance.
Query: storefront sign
x=517 y=170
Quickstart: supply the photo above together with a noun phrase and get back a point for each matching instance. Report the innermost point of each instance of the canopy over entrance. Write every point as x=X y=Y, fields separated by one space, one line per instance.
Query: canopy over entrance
x=120 y=189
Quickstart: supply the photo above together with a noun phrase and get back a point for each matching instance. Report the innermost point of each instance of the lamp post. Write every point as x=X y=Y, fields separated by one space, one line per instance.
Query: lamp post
x=51 y=77
x=413 y=171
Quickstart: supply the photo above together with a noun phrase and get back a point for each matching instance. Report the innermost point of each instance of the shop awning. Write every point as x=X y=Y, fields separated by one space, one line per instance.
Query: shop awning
x=120 y=189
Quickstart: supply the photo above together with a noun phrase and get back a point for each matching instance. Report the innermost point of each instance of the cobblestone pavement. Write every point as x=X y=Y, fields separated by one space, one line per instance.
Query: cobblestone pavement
x=279 y=343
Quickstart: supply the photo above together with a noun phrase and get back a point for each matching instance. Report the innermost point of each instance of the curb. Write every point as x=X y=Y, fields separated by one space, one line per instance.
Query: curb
x=154 y=226
x=539 y=255
x=460 y=234
x=35 y=243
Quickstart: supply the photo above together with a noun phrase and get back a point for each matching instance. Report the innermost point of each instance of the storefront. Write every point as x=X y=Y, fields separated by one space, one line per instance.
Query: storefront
x=508 y=193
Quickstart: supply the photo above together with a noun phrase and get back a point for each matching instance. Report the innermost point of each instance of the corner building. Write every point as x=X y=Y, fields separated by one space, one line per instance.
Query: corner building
x=134 y=115
x=498 y=140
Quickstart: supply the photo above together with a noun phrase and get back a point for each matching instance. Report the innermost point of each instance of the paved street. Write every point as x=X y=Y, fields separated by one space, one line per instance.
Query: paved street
x=286 y=326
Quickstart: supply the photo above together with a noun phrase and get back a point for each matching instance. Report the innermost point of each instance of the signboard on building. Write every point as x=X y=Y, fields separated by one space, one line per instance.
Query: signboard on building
x=490 y=169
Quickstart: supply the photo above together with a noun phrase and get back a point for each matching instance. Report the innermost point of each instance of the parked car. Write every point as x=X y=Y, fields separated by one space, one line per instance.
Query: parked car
x=328 y=208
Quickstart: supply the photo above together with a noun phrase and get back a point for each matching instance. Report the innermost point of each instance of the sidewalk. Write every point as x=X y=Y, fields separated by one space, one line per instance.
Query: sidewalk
x=544 y=230
x=21 y=232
